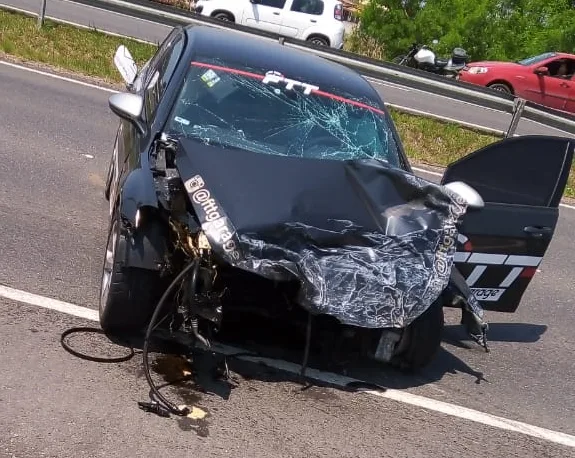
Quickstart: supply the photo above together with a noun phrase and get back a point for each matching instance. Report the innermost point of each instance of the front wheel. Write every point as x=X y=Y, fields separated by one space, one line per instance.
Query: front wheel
x=501 y=87
x=128 y=295
x=320 y=41
x=226 y=17
x=421 y=340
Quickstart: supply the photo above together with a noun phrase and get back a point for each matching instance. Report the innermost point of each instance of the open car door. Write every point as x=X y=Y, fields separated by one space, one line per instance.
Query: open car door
x=521 y=180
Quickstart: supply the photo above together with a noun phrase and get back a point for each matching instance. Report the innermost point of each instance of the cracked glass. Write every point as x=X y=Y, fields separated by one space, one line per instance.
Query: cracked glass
x=269 y=113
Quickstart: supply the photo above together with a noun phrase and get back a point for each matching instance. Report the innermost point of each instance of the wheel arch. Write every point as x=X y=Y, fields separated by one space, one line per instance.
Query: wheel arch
x=145 y=234
x=136 y=192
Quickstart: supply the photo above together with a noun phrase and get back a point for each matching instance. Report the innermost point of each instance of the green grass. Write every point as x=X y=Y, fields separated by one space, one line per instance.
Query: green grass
x=79 y=50
x=88 y=52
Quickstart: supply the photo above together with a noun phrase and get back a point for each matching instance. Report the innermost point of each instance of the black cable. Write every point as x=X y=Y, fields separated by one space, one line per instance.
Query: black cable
x=154 y=405
x=91 y=358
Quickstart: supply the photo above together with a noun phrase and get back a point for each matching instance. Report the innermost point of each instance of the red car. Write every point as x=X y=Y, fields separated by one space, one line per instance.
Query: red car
x=545 y=79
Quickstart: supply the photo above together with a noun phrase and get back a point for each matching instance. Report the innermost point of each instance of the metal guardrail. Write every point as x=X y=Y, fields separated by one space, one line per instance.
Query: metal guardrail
x=385 y=71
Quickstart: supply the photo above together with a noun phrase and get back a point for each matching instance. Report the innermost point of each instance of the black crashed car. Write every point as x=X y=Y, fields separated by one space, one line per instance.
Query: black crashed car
x=248 y=176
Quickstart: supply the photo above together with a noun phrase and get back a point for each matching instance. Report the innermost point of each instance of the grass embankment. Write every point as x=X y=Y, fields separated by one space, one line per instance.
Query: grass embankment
x=90 y=53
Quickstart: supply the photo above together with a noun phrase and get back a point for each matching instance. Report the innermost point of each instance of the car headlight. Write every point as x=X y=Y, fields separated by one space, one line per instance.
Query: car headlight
x=477 y=70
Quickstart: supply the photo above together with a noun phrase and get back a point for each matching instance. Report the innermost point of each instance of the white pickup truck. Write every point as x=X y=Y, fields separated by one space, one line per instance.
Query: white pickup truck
x=316 y=21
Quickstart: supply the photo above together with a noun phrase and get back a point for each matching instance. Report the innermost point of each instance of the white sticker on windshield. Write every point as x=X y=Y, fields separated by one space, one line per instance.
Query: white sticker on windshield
x=183 y=121
x=277 y=77
x=210 y=78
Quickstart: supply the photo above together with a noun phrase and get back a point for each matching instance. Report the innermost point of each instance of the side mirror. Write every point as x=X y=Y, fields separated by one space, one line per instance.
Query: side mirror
x=471 y=196
x=435 y=41
x=541 y=71
x=126 y=65
x=129 y=107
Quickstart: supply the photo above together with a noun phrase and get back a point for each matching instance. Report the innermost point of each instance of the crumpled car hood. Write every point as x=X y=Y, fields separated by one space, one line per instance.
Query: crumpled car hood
x=371 y=245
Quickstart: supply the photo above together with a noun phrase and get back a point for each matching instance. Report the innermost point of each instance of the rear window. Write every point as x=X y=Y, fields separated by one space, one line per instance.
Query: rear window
x=267 y=113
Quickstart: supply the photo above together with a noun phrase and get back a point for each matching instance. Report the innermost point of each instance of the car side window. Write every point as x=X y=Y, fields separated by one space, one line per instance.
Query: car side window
x=160 y=75
x=273 y=3
x=314 y=7
x=561 y=68
x=516 y=171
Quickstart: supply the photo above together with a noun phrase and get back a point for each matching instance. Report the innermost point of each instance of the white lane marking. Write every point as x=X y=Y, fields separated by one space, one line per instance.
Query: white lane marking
x=81 y=26
x=463 y=102
x=101 y=88
x=328 y=377
x=58 y=77
x=117 y=14
x=388 y=83
x=429 y=172
x=427 y=114
x=45 y=302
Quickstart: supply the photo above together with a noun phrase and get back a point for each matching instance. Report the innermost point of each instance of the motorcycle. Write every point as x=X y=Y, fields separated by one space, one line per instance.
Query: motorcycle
x=423 y=58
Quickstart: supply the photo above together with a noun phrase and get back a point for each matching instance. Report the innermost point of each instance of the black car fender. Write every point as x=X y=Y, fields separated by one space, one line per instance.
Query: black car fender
x=137 y=191
x=144 y=233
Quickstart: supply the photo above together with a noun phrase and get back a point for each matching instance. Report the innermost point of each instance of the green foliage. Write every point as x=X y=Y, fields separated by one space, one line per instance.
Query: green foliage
x=487 y=29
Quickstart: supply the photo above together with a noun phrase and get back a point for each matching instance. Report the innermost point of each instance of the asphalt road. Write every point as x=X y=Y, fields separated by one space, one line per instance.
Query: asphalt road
x=391 y=92
x=56 y=138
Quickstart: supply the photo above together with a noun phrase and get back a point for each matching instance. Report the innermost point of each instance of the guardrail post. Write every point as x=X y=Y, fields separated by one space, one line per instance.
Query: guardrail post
x=42 y=14
x=518 y=107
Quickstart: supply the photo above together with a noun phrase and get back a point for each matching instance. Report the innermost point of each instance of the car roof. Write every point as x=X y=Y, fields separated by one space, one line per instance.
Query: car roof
x=565 y=55
x=244 y=51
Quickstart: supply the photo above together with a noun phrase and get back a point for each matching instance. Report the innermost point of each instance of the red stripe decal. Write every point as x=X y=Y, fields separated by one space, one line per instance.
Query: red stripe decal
x=261 y=77
x=229 y=70
x=528 y=272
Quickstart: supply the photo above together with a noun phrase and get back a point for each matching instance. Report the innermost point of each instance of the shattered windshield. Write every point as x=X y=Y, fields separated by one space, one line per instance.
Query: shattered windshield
x=267 y=113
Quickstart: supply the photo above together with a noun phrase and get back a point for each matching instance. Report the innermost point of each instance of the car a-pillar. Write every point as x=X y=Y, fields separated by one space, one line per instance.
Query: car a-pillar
x=132 y=278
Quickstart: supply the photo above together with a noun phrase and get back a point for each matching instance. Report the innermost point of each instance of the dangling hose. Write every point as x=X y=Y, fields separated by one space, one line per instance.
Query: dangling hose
x=155 y=406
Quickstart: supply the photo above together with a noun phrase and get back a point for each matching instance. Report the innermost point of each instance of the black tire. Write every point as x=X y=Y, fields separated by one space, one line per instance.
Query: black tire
x=502 y=87
x=320 y=41
x=421 y=340
x=222 y=16
x=129 y=296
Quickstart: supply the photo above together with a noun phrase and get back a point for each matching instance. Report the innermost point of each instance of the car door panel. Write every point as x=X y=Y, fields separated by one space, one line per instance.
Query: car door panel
x=501 y=245
x=549 y=90
x=498 y=256
x=554 y=92
x=266 y=15
x=570 y=105
x=300 y=15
